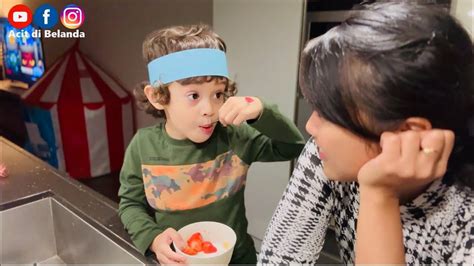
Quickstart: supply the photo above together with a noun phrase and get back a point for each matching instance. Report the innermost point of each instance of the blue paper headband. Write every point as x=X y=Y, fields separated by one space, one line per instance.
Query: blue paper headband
x=187 y=64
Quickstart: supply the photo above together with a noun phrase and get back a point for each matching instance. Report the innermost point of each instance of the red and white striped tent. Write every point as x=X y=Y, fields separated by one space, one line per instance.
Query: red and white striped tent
x=81 y=115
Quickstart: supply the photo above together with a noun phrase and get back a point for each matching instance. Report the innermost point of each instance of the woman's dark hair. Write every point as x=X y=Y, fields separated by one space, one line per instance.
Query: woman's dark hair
x=389 y=62
x=171 y=40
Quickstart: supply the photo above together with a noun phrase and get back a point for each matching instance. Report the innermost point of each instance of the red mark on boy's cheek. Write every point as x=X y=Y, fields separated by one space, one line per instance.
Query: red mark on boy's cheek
x=248 y=99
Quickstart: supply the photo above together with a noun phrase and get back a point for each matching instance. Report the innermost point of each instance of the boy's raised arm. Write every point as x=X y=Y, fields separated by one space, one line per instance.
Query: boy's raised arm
x=272 y=137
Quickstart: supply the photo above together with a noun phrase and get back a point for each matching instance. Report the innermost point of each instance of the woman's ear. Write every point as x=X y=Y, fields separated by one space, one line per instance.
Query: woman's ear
x=153 y=97
x=416 y=124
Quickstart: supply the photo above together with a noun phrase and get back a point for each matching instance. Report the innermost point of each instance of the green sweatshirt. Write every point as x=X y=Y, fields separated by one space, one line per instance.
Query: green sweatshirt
x=180 y=182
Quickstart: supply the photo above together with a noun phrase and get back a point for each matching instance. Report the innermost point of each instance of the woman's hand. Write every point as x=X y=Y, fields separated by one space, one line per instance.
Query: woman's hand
x=237 y=110
x=408 y=159
x=161 y=247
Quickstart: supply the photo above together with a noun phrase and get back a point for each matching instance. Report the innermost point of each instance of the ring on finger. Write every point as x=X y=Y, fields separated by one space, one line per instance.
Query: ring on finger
x=428 y=151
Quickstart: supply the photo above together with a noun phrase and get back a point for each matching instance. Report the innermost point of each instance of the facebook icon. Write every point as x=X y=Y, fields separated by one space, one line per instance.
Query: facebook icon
x=45 y=16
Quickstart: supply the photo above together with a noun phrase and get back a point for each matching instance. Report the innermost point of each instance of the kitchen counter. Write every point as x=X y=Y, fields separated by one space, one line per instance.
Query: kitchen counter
x=30 y=177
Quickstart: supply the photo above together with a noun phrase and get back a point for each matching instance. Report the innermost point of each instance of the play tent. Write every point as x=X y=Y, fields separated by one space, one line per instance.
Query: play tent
x=79 y=119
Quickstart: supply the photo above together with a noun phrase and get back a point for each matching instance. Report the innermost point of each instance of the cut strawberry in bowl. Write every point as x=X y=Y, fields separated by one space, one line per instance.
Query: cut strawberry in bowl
x=215 y=242
x=195 y=237
x=195 y=242
x=208 y=247
x=189 y=251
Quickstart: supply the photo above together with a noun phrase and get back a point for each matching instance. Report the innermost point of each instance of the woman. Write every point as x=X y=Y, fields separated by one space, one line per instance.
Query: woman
x=391 y=154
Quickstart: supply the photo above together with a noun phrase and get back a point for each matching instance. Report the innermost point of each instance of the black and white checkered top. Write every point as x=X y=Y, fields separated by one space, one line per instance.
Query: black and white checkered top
x=438 y=225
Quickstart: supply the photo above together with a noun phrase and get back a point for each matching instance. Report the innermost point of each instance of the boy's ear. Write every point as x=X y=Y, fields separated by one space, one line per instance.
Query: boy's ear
x=416 y=124
x=153 y=97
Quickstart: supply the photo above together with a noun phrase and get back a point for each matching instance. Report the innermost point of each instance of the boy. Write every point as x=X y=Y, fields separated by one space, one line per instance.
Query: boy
x=193 y=166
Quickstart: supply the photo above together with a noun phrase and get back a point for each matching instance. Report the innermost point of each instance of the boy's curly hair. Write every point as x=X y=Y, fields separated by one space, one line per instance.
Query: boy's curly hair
x=174 y=39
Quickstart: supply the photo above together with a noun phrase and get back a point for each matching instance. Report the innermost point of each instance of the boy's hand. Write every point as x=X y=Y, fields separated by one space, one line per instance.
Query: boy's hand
x=408 y=160
x=237 y=110
x=161 y=247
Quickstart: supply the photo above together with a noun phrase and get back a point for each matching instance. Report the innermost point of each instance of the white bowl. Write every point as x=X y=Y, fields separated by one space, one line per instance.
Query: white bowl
x=220 y=235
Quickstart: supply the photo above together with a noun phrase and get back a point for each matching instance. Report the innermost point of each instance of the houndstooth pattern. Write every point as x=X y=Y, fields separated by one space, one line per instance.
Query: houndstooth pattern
x=438 y=225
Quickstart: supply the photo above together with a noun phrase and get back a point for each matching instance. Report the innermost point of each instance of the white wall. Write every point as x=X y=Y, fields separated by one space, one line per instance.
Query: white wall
x=263 y=40
x=463 y=10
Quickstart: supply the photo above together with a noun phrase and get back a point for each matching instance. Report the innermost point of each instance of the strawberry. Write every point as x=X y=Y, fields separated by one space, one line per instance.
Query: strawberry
x=195 y=242
x=208 y=247
x=189 y=251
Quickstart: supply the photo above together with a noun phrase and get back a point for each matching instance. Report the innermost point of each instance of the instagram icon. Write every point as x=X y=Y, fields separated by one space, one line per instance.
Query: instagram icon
x=72 y=16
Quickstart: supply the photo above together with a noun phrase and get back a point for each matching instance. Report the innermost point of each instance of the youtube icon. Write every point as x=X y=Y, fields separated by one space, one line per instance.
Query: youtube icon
x=20 y=16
